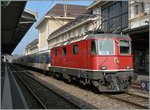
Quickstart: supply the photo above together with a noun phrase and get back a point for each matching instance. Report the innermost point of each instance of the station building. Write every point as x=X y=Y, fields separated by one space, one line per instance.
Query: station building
x=75 y=28
x=98 y=15
x=138 y=30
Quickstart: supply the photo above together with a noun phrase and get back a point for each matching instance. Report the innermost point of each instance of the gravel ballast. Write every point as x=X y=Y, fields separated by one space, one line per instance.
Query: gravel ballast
x=94 y=98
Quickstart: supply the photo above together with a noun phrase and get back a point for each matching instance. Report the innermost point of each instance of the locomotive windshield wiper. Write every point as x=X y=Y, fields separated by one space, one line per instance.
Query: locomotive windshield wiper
x=103 y=42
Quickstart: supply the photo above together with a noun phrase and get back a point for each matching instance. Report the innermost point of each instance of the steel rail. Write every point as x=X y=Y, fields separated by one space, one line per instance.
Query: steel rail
x=43 y=106
x=126 y=101
x=136 y=95
x=27 y=74
x=52 y=90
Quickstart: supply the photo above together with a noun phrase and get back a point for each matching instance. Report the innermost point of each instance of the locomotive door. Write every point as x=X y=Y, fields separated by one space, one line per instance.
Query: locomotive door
x=88 y=55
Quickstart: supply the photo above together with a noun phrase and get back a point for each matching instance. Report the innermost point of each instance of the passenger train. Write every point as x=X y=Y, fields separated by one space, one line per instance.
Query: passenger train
x=40 y=61
x=102 y=60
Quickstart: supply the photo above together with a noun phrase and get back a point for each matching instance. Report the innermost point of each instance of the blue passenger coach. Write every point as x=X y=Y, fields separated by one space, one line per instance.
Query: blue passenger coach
x=37 y=60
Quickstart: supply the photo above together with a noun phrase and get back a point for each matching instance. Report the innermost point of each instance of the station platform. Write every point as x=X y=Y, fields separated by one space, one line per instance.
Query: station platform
x=11 y=95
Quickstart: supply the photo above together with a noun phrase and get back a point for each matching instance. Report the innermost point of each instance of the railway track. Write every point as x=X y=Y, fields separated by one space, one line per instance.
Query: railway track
x=46 y=98
x=132 y=99
x=137 y=87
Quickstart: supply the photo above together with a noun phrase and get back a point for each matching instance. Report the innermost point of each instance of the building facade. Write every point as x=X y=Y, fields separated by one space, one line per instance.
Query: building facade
x=108 y=16
x=76 y=28
x=114 y=15
x=138 y=13
x=138 y=29
x=32 y=47
x=54 y=19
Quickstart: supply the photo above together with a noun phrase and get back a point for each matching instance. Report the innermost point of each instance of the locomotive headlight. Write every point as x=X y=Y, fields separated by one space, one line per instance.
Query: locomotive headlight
x=103 y=67
x=128 y=67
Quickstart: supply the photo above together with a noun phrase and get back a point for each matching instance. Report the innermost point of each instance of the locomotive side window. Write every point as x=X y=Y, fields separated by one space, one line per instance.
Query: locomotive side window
x=105 y=47
x=93 y=47
x=64 y=51
x=124 y=47
x=75 y=49
x=56 y=52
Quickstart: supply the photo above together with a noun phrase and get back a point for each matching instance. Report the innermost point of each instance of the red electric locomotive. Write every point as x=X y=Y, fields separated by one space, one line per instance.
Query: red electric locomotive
x=104 y=60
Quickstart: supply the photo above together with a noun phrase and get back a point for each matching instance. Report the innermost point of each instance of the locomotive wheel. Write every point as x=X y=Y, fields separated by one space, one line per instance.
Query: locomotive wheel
x=102 y=86
x=68 y=81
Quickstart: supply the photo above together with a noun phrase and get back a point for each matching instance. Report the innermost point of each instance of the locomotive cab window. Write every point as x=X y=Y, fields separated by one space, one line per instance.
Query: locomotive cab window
x=105 y=47
x=64 y=51
x=124 y=47
x=75 y=49
x=56 y=52
x=93 y=47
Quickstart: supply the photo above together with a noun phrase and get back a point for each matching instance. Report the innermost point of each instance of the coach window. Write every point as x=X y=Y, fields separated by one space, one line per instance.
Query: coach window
x=64 y=51
x=56 y=52
x=75 y=49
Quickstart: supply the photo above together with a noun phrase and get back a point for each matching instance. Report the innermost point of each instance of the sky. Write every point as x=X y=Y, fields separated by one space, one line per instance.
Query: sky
x=41 y=7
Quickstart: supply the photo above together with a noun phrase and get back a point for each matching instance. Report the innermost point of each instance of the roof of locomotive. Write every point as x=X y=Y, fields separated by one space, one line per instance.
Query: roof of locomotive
x=108 y=36
x=91 y=36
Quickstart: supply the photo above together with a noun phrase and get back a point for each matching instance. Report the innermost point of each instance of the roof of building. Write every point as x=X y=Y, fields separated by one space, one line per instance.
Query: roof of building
x=97 y=3
x=33 y=43
x=72 y=10
x=81 y=18
x=58 y=11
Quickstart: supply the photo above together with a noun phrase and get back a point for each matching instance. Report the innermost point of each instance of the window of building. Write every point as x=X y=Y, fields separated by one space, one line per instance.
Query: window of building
x=112 y=16
x=142 y=8
x=74 y=34
x=62 y=38
x=124 y=6
x=82 y=30
x=105 y=26
x=64 y=51
x=105 y=14
x=95 y=11
x=79 y=31
x=71 y=34
x=99 y=10
x=75 y=49
x=115 y=10
x=125 y=21
x=136 y=10
x=115 y=24
x=56 y=52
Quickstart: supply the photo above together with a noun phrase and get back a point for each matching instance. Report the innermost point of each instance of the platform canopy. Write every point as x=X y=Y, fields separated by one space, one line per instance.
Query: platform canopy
x=15 y=22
